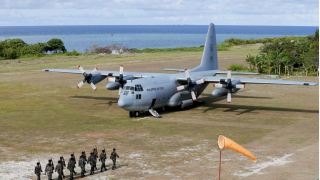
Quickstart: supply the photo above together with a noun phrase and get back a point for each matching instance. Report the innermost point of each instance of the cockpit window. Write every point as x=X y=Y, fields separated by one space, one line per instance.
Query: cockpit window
x=127 y=87
x=131 y=88
x=138 y=87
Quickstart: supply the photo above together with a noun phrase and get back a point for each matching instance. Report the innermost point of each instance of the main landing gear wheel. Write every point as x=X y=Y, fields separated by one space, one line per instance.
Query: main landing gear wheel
x=136 y=113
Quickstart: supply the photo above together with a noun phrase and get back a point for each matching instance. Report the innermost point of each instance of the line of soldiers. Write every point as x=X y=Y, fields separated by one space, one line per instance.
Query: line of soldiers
x=92 y=160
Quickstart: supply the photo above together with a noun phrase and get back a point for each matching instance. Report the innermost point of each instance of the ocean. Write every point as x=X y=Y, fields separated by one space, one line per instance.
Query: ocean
x=144 y=36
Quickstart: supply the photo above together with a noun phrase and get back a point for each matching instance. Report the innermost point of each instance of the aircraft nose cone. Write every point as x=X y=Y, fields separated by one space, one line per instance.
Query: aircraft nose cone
x=122 y=103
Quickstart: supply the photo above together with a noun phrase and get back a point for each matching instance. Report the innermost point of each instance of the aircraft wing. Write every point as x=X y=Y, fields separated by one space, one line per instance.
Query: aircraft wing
x=168 y=69
x=106 y=73
x=215 y=79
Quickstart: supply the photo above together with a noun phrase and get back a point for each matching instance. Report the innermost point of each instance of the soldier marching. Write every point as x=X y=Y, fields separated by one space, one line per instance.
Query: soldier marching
x=92 y=160
x=113 y=157
x=103 y=158
x=59 y=170
x=38 y=170
x=82 y=164
x=71 y=166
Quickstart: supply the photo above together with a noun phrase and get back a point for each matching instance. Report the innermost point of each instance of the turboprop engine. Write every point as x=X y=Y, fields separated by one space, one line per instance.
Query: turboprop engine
x=119 y=82
x=227 y=87
x=93 y=78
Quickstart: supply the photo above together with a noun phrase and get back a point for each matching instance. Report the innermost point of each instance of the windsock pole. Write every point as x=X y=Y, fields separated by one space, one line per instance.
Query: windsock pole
x=220 y=165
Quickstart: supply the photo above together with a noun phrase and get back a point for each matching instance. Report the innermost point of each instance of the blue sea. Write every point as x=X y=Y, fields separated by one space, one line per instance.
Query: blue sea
x=145 y=36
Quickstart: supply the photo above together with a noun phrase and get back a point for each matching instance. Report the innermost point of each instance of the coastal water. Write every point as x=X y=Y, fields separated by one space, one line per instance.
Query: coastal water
x=145 y=36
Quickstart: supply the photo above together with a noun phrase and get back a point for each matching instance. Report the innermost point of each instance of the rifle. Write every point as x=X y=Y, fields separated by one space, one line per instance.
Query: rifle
x=63 y=161
x=52 y=164
x=85 y=159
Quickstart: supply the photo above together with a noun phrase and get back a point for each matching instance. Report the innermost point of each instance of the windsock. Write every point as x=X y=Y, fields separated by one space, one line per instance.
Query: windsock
x=224 y=142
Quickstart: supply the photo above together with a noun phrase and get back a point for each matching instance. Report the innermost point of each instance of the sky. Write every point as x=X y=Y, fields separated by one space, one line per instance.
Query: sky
x=159 y=12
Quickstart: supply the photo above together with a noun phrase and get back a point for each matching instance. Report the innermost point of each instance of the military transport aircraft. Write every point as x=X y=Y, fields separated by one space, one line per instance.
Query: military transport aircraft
x=139 y=92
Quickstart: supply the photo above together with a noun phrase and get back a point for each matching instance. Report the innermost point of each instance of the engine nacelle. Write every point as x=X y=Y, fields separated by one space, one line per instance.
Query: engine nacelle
x=186 y=103
x=96 y=78
x=223 y=91
x=178 y=97
x=113 y=86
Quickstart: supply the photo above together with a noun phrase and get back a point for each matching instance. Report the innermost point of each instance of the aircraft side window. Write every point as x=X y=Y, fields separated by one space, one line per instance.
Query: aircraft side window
x=132 y=88
x=137 y=88
x=139 y=96
x=141 y=89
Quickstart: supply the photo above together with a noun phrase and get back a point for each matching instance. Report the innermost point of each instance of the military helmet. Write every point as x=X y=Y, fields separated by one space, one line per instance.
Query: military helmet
x=83 y=152
x=71 y=155
x=114 y=149
x=38 y=162
x=103 y=150
x=61 y=157
x=91 y=153
x=50 y=160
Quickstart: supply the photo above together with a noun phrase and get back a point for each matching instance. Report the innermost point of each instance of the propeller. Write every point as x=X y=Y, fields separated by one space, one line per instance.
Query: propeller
x=87 y=77
x=228 y=85
x=189 y=86
x=119 y=80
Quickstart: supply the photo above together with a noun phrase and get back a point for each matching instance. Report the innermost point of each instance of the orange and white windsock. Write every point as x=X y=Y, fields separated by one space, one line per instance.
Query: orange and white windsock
x=224 y=142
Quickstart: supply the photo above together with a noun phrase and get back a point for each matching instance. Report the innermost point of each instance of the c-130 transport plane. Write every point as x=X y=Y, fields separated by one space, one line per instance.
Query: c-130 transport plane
x=139 y=91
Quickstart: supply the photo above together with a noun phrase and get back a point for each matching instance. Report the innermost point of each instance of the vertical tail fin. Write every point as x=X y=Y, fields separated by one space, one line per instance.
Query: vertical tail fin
x=210 y=57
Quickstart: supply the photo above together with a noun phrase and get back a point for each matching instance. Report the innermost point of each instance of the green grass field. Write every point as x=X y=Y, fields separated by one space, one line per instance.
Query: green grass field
x=44 y=113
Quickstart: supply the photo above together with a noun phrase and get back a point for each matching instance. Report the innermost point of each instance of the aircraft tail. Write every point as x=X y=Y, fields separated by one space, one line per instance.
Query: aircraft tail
x=210 y=57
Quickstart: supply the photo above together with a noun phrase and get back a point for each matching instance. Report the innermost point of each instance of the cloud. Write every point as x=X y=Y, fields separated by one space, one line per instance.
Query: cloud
x=244 y=12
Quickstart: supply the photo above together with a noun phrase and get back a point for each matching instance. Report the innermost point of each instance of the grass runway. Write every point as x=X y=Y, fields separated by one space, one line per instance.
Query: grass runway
x=44 y=114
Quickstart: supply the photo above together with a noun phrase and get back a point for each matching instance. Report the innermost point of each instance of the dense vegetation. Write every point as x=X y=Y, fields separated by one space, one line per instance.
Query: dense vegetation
x=285 y=54
x=16 y=48
x=220 y=47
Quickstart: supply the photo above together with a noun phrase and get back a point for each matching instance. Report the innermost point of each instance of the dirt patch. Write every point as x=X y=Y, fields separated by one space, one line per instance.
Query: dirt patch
x=100 y=134
x=103 y=135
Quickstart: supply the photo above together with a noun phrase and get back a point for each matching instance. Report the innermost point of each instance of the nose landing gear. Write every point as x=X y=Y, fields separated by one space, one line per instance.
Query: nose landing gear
x=134 y=113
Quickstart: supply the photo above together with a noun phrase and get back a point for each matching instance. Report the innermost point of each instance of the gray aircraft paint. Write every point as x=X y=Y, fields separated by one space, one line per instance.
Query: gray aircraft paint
x=162 y=86
x=210 y=56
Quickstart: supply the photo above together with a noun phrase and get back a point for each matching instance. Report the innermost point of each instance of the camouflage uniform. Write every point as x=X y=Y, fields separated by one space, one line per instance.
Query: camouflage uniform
x=74 y=161
x=37 y=171
x=95 y=154
x=62 y=164
x=114 y=156
x=72 y=156
x=71 y=167
x=84 y=157
x=58 y=170
x=103 y=158
x=52 y=165
x=49 y=171
x=92 y=162
x=82 y=164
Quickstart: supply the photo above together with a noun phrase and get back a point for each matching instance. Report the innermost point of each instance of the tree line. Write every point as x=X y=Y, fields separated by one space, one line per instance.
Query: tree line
x=14 y=48
x=283 y=55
